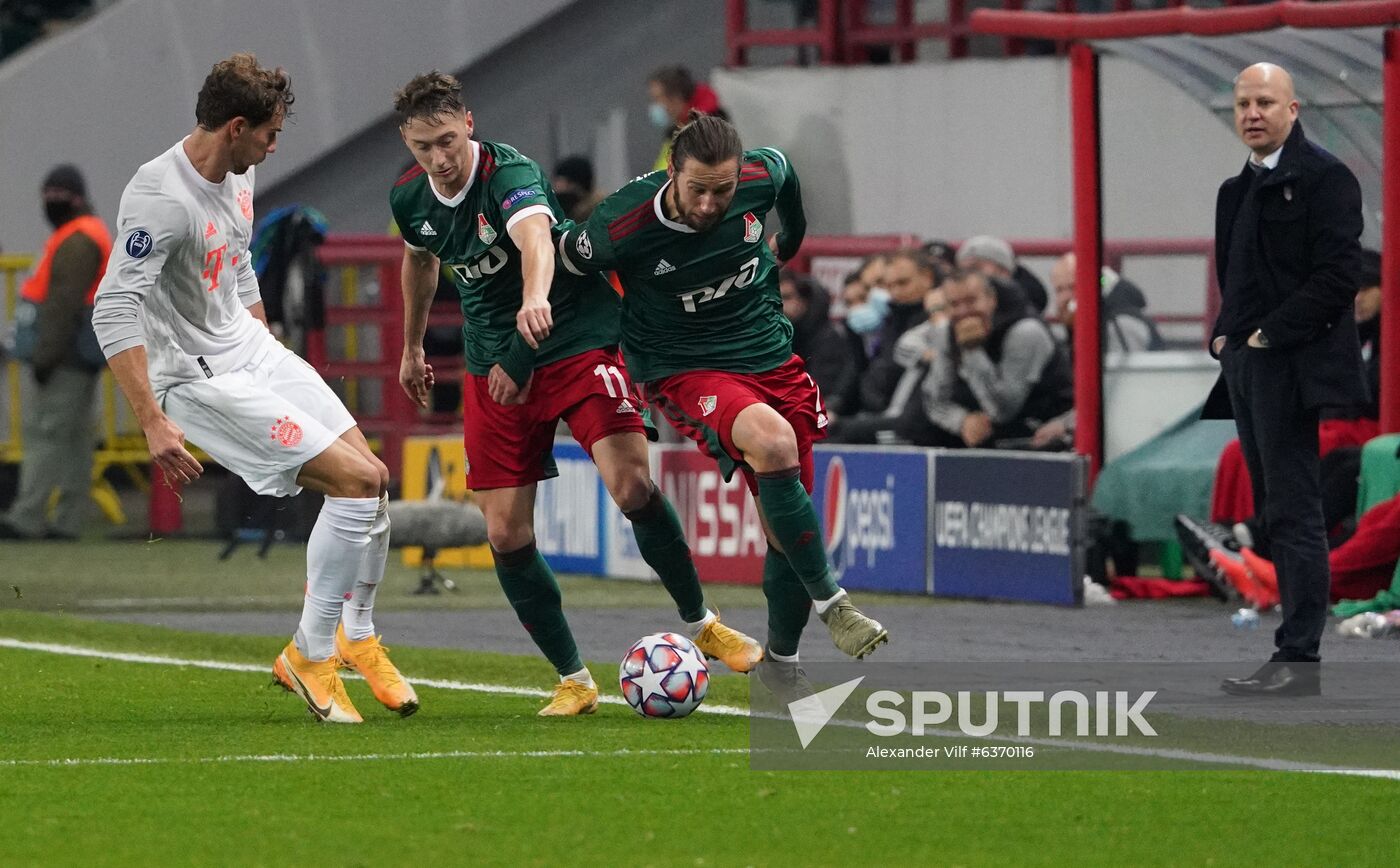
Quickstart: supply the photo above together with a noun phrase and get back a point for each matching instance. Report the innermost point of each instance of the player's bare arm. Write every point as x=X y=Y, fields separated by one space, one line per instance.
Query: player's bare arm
x=419 y=279
x=164 y=438
x=532 y=238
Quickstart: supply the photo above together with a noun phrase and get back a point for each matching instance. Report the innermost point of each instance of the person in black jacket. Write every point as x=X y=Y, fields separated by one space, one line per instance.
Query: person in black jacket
x=828 y=355
x=1287 y=231
x=909 y=277
x=1001 y=374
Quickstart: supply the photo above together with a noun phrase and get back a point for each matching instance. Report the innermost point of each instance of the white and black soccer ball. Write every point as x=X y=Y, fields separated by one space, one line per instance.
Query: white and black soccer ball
x=664 y=675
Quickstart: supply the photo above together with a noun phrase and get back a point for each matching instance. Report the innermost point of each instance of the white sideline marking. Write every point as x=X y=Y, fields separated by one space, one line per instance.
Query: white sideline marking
x=726 y=710
x=364 y=757
x=224 y=666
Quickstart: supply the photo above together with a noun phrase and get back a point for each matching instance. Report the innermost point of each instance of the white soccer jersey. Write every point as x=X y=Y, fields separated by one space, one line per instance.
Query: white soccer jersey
x=180 y=278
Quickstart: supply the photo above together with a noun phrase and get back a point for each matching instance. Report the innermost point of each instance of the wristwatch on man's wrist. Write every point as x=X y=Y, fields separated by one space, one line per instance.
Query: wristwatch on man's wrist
x=1261 y=338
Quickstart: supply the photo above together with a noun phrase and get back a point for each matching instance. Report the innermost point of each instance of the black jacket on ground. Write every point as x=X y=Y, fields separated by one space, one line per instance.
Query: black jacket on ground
x=1306 y=257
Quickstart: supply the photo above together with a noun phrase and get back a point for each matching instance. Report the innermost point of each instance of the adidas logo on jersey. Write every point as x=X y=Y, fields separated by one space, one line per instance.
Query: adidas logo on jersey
x=426 y=229
x=663 y=267
x=625 y=407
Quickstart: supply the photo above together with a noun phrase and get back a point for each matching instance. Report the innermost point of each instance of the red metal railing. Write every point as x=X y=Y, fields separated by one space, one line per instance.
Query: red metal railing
x=385 y=413
x=843 y=32
x=369 y=265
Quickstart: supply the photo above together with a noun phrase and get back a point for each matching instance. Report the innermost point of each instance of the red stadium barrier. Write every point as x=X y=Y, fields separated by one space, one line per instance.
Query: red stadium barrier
x=367 y=268
x=368 y=312
x=844 y=33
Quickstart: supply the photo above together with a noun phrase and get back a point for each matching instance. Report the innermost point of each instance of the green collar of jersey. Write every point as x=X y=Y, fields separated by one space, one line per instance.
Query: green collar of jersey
x=466 y=188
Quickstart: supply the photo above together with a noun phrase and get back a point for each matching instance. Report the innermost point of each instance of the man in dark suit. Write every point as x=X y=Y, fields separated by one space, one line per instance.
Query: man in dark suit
x=1287 y=248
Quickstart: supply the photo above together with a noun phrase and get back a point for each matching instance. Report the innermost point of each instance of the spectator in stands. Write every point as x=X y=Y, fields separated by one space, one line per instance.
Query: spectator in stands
x=821 y=343
x=1002 y=374
x=1125 y=328
x=1368 y=327
x=674 y=95
x=994 y=257
x=910 y=277
x=904 y=420
x=1123 y=311
x=867 y=301
x=942 y=253
x=63 y=359
x=573 y=187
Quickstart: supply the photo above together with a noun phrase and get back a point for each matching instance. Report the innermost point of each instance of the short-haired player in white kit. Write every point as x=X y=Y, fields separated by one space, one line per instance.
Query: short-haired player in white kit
x=181 y=320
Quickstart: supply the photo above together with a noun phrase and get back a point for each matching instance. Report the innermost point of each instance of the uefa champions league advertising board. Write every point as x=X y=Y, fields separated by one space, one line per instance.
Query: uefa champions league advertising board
x=951 y=523
x=1008 y=526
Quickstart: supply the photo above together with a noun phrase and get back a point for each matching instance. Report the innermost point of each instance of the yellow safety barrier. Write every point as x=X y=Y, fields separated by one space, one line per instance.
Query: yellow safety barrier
x=426 y=458
x=121 y=442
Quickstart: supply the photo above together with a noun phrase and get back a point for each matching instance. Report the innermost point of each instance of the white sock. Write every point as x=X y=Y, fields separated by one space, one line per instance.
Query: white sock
x=823 y=605
x=358 y=612
x=583 y=676
x=781 y=658
x=694 y=627
x=334 y=555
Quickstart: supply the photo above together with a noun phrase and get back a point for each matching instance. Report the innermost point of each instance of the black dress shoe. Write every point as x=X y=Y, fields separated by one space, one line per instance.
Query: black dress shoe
x=1278 y=679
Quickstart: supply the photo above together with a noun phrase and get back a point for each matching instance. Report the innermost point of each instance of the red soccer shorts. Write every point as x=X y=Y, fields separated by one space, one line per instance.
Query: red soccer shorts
x=703 y=405
x=511 y=446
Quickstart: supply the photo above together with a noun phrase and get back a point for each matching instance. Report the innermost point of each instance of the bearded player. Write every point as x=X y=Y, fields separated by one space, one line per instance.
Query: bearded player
x=540 y=347
x=181 y=321
x=703 y=330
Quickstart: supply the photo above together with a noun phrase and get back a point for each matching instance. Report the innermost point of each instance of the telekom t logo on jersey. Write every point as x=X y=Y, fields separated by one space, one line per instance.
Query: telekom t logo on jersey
x=691 y=300
x=213 y=264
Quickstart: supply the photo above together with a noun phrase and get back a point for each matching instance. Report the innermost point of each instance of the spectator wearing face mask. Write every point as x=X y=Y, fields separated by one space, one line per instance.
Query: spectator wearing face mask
x=674 y=95
x=62 y=358
x=910 y=277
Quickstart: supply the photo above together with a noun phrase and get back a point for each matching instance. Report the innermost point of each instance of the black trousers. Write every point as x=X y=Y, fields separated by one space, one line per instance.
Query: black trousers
x=1279 y=439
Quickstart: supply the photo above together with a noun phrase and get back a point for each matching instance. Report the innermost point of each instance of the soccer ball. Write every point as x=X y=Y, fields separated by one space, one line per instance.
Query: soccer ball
x=664 y=675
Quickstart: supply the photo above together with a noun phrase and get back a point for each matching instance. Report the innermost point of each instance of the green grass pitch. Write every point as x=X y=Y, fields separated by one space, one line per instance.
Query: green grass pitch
x=107 y=762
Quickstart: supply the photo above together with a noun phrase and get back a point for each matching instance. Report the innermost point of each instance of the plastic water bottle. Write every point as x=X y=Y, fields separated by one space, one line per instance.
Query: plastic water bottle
x=1375 y=625
x=1245 y=619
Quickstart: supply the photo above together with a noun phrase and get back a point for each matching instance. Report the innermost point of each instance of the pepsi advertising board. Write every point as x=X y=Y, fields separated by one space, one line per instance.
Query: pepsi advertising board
x=1008 y=526
x=873 y=503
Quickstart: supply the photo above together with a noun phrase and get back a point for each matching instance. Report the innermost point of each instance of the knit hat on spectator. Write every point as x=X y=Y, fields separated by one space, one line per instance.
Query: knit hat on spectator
x=990 y=248
x=66 y=177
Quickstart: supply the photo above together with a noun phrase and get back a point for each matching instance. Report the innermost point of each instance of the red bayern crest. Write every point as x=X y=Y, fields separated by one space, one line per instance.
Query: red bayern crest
x=245 y=204
x=286 y=432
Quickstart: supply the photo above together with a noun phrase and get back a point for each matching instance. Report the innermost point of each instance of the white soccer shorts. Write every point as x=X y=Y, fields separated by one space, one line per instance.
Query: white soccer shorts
x=263 y=421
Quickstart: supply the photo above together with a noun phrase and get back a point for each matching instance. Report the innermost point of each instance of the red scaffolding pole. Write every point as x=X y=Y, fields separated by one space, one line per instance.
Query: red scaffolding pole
x=1390 y=239
x=1088 y=254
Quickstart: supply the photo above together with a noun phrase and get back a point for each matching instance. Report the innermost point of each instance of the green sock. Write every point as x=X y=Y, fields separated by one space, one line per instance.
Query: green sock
x=663 y=547
x=793 y=520
x=534 y=594
x=789 y=604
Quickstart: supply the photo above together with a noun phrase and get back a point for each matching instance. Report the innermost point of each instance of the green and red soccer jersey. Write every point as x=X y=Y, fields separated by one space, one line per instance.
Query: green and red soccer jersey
x=470 y=234
x=696 y=300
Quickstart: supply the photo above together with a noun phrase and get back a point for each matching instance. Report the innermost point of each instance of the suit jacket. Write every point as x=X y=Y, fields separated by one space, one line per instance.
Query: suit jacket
x=1308 y=255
